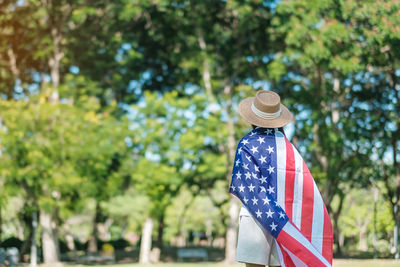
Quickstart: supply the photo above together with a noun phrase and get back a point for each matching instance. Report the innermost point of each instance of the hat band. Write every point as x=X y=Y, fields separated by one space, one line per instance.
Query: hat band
x=265 y=115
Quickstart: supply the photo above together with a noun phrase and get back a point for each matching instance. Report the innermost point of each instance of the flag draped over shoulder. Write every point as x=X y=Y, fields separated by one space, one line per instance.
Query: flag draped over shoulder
x=273 y=182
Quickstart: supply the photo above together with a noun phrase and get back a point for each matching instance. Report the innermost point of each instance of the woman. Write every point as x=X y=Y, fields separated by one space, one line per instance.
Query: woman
x=277 y=191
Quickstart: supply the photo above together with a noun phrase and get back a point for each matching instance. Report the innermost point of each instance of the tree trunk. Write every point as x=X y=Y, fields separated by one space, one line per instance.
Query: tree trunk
x=362 y=244
x=14 y=70
x=375 y=241
x=181 y=238
x=396 y=226
x=54 y=64
x=69 y=239
x=396 y=192
x=49 y=246
x=341 y=239
x=336 y=230
x=145 y=245
x=181 y=242
x=206 y=71
x=1 y=223
x=103 y=229
x=55 y=235
x=28 y=221
x=209 y=231
x=231 y=233
x=70 y=242
x=33 y=241
x=92 y=247
x=160 y=231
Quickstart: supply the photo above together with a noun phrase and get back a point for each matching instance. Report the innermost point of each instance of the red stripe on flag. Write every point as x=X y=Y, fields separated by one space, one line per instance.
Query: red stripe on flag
x=328 y=240
x=290 y=179
x=298 y=249
x=286 y=258
x=308 y=203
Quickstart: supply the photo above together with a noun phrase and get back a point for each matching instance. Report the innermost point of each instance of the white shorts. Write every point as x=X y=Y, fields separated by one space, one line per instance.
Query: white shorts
x=255 y=244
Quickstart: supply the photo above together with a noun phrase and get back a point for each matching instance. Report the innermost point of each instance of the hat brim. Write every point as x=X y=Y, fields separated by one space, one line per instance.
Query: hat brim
x=249 y=116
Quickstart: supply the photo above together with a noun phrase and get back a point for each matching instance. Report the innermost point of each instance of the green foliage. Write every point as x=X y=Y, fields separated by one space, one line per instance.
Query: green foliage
x=147 y=89
x=36 y=149
x=358 y=215
x=60 y=153
x=177 y=142
x=128 y=217
x=192 y=212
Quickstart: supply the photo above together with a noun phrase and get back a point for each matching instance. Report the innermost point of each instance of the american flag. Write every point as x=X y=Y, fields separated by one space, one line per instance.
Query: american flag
x=273 y=182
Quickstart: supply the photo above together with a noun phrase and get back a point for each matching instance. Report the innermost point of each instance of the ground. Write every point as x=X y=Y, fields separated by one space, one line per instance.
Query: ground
x=336 y=263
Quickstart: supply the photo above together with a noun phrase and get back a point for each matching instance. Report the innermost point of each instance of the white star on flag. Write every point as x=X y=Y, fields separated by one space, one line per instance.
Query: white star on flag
x=266 y=200
x=270 y=149
x=256 y=168
x=239 y=150
x=263 y=159
x=258 y=212
x=273 y=226
x=241 y=188
x=254 y=175
x=269 y=213
x=254 y=149
x=281 y=215
x=255 y=201
x=246 y=166
x=263 y=179
x=248 y=175
x=248 y=158
x=271 y=169
x=245 y=142
x=237 y=163
x=252 y=133
x=263 y=189
x=245 y=200
x=251 y=187
x=233 y=187
x=271 y=190
x=238 y=175
x=268 y=131
x=261 y=140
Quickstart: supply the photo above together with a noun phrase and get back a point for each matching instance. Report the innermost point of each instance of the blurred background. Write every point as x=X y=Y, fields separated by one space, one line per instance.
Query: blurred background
x=119 y=122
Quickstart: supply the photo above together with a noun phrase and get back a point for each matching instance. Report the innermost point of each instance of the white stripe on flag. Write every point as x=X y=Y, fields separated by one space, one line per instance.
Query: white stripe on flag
x=298 y=189
x=318 y=220
x=293 y=232
x=297 y=262
x=281 y=167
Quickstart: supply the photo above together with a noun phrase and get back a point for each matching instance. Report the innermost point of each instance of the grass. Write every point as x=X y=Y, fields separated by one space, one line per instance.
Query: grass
x=366 y=263
x=336 y=263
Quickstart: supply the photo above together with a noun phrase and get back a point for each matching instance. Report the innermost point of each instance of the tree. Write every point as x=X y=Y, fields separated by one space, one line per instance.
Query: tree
x=209 y=46
x=103 y=161
x=35 y=155
x=19 y=49
x=379 y=101
x=52 y=151
x=160 y=171
x=322 y=55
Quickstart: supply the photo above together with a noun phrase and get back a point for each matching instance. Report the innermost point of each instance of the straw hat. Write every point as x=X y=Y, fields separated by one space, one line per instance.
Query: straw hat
x=265 y=110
